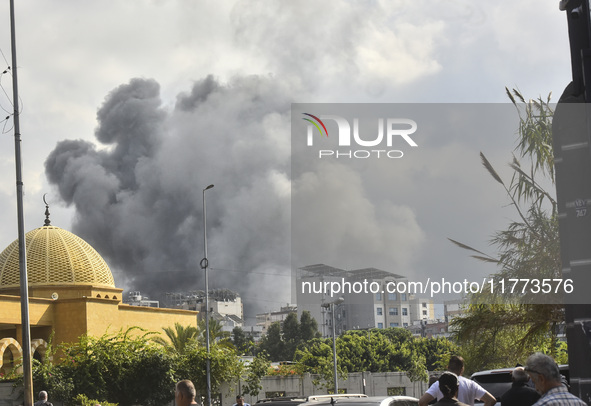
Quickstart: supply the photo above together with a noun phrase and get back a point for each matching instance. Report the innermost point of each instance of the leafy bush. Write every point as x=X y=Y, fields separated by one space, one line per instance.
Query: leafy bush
x=82 y=400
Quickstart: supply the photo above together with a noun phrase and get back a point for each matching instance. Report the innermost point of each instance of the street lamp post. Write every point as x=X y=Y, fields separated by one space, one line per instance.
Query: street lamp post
x=204 y=264
x=334 y=340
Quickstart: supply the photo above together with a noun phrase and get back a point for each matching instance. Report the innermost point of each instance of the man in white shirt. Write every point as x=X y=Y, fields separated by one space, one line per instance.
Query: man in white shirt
x=240 y=401
x=468 y=392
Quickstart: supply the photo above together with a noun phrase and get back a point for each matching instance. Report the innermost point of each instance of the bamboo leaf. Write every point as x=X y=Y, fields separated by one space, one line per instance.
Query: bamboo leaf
x=510 y=95
x=466 y=247
x=490 y=169
x=486 y=259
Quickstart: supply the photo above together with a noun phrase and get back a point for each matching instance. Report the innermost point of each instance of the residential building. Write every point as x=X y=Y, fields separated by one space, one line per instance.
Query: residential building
x=224 y=304
x=366 y=301
x=421 y=309
x=264 y=320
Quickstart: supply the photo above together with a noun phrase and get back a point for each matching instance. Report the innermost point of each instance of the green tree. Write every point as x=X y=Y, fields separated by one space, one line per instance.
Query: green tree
x=437 y=351
x=122 y=368
x=217 y=335
x=283 y=339
x=224 y=366
x=257 y=368
x=376 y=350
x=316 y=358
x=290 y=333
x=528 y=248
x=179 y=339
x=272 y=343
x=308 y=327
x=243 y=343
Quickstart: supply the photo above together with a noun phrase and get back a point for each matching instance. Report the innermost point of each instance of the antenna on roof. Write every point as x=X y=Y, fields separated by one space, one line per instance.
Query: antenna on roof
x=47 y=220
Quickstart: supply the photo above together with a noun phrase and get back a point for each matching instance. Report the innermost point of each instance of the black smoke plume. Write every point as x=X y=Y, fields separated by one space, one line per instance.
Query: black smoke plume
x=137 y=192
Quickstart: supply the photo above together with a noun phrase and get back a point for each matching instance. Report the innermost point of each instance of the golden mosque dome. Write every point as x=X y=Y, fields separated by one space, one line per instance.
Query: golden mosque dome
x=55 y=257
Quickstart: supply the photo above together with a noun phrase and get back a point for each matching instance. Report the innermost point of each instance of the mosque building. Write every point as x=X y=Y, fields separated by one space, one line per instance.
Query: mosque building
x=71 y=292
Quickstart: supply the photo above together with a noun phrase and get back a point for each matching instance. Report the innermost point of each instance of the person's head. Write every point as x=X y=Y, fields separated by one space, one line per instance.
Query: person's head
x=448 y=384
x=184 y=393
x=519 y=375
x=42 y=395
x=456 y=365
x=239 y=400
x=543 y=371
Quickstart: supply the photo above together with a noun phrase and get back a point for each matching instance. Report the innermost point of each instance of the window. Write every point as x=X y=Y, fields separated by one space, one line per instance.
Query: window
x=379 y=296
x=391 y=296
x=380 y=325
x=424 y=304
x=424 y=312
x=404 y=311
x=405 y=324
x=379 y=311
x=393 y=324
x=404 y=297
x=393 y=311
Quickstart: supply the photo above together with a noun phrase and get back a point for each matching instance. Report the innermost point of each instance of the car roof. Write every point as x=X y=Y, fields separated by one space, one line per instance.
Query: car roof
x=294 y=400
x=282 y=401
x=365 y=401
x=339 y=396
x=505 y=370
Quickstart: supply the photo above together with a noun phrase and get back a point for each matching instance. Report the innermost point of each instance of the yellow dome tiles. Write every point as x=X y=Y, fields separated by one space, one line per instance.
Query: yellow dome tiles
x=55 y=257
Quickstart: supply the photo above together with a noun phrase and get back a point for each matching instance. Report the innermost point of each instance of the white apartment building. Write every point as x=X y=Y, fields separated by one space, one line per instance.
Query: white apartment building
x=360 y=308
x=223 y=304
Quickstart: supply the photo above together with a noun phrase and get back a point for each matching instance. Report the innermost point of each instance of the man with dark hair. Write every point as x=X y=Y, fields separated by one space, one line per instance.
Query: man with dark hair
x=520 y=394
x=184 y=394
x=546 y=376
x=43 y=399
x=468 y=391
x=240 y=401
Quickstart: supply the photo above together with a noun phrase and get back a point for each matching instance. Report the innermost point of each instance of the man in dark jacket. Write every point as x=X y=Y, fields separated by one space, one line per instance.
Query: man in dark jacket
x=520 y=394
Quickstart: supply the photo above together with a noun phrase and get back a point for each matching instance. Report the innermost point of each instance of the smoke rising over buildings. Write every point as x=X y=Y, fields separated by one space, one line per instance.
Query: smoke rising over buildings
x=138 y=197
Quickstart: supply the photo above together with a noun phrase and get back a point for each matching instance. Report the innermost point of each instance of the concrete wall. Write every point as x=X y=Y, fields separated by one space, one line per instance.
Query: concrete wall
x=8 y=397
x=376 y=384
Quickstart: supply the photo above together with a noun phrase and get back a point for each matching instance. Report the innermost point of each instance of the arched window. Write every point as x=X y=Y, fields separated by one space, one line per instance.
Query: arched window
x=10 y=350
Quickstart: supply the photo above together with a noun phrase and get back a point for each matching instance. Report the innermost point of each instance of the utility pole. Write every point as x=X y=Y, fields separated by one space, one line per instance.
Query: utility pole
x=22 y=256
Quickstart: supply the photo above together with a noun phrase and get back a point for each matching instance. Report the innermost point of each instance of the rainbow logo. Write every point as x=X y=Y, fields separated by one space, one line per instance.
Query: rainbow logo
x=318 y=121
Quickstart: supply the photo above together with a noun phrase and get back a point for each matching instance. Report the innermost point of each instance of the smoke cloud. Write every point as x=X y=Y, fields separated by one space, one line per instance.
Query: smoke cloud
x=138 y=198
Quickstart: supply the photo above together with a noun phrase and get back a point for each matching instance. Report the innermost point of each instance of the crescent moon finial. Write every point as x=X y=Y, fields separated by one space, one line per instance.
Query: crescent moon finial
x=47 y=220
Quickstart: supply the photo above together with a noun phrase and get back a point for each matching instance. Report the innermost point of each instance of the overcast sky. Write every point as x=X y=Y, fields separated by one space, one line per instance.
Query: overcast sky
x=129 y=109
